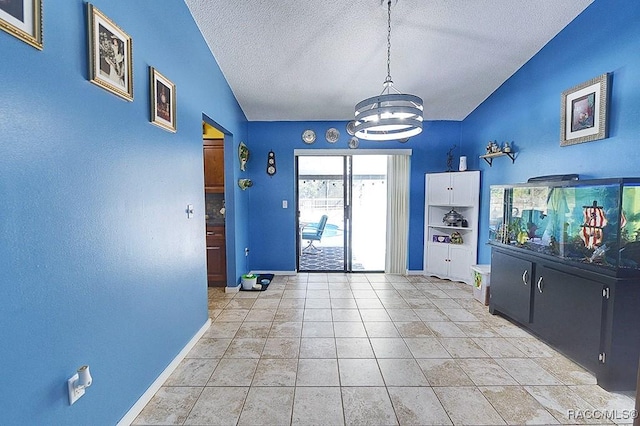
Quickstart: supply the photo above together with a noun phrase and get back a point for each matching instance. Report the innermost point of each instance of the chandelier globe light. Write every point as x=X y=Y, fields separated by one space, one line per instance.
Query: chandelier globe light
x=391 y=115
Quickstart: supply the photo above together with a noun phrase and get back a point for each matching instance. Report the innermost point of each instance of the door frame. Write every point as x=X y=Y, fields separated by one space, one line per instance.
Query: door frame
x=347 y=232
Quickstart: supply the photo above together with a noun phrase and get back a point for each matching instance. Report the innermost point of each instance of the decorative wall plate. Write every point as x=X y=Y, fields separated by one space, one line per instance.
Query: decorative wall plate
x=309 y=136
x=354 y=142
x=351 y=127
x=332 y=135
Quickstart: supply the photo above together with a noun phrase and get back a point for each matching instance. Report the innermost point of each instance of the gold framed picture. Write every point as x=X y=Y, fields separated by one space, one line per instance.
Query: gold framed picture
x=110 y=55
x=163 y=100
x=22 y=19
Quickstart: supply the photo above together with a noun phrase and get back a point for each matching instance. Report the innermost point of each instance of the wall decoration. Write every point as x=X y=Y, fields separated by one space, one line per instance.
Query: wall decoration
x=450 y=158
x=309 y=136
x=584 y=112
x=332 y=135
x=271 y=163
x=110 y=55
x=163 y=100
x=22 y=19
x=245 y=183
x=351 y=127
x=243 y=156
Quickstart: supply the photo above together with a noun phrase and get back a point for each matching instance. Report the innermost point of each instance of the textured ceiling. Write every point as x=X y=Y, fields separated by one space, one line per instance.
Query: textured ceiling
x=304 y=60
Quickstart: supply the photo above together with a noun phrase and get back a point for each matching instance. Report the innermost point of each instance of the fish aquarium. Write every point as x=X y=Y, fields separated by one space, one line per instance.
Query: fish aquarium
x=595 y=223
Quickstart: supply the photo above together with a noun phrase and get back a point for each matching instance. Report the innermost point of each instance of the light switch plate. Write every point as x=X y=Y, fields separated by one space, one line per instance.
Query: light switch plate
x=285 y=204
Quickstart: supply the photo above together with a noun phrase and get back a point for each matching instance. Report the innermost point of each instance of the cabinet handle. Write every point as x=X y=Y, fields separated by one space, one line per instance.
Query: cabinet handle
x=524 y=277
x=540 y=285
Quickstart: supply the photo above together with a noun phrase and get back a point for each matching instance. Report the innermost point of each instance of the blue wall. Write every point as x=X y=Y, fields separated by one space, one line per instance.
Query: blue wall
x=99 y=264
x=273 y=229
x=605 y=38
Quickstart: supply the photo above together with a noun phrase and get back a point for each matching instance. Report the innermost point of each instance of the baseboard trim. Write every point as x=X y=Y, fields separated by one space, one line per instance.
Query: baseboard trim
x=137 y=408
x=235 y=289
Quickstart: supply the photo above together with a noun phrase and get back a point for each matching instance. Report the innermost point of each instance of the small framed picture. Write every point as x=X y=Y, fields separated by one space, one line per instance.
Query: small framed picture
x=22 y=19
x=110 y=55
x=163 y=101
x=583 y=116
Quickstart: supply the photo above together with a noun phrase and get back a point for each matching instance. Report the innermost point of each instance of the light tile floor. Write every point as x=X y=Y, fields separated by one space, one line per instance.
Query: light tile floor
x=373 y=349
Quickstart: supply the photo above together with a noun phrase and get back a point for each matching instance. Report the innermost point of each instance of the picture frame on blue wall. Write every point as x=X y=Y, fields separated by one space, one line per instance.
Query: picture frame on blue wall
x=110 y=55
x=23 y=20
x=163 y=100
x=583 y=116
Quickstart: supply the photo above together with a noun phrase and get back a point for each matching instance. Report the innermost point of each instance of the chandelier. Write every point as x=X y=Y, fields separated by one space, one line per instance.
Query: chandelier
x=392 y=115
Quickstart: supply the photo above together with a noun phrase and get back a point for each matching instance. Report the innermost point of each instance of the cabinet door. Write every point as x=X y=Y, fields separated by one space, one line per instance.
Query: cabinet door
x=438 y=260
x=465 y=189
x=567 y=311
x=439 y=189
x=510 y=289
x=216 y=257
x=459 y=263
x=214 y=166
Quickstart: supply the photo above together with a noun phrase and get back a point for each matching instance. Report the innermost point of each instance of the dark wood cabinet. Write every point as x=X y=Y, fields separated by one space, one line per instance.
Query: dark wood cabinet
x=216 y=257
x=568 y=312
x=213 y=151
x=590 y=317
x=511 y=287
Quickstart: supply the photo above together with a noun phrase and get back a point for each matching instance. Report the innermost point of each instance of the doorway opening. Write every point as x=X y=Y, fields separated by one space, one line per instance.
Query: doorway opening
x=342 y=212
x=213 y=159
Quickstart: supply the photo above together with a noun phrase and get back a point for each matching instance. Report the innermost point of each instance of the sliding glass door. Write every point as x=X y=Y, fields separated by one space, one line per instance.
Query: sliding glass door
x=341 y=203
x=368 y=212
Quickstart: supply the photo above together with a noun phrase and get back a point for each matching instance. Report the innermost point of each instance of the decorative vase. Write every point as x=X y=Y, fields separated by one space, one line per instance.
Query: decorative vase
x=452 y=218
x=463 y=164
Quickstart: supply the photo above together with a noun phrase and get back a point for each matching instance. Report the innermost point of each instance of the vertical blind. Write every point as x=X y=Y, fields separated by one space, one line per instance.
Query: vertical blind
x=398 y=167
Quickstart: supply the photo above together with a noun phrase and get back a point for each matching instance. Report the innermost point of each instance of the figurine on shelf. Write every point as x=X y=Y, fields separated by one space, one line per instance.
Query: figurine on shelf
x=450 y=159
x=493 y=147
x=456 y=238
x=507 y=147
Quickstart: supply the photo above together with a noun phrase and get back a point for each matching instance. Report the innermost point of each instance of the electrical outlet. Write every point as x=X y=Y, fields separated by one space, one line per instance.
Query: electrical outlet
x=246 y=251
x=74 y=392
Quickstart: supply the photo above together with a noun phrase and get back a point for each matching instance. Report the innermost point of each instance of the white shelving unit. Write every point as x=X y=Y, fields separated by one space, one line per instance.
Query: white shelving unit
x=445 y=191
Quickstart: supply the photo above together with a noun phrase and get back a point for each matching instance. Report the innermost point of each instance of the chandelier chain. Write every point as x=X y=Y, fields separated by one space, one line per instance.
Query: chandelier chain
x=388 y=42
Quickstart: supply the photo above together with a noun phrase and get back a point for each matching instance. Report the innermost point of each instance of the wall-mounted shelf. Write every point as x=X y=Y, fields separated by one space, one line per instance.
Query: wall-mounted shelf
x=489 y=157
